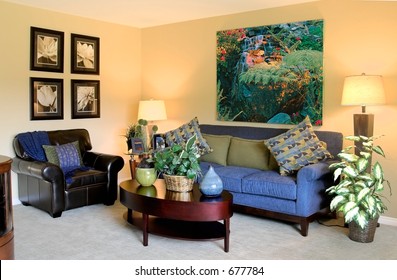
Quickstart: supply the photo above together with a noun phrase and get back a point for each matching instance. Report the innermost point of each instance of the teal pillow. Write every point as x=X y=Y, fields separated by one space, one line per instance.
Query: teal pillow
x=181 y=134
x=297 y=148
x=66 y=156
x=219 y=145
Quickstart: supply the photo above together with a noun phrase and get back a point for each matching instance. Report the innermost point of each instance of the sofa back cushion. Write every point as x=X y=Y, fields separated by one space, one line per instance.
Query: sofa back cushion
x=249 y=153
x=220 y=146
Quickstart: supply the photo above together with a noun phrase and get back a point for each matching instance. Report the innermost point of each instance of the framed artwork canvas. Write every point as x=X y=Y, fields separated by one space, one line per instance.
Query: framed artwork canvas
x=84 y=54
x=271 y=74
x=46 y=50
x=85 y=99
x=46 y=99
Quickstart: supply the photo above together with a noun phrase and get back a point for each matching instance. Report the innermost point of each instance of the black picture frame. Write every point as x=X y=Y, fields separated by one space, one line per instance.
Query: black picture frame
x=84 y=54
x=46 y=99
x=137 y=146
x=85 y=99
x=46 y=50
x=159 y=142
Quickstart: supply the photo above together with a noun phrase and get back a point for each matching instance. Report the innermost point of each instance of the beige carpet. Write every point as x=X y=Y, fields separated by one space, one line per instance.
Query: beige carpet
x=99 y=232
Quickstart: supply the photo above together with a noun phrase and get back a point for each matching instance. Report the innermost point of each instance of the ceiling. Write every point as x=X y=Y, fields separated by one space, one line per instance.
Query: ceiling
x=147 y=13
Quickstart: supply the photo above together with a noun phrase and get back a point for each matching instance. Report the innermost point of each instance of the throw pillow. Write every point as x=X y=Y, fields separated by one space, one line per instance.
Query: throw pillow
x=248 y=153
x=184 y=132
x=220 y=147
x=297 y=148
x=66 y=156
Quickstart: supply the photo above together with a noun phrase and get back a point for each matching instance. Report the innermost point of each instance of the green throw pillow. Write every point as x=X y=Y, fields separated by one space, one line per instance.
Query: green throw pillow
x=248 y=153
x=297 y=148
x=184 y=132
x=220 y=147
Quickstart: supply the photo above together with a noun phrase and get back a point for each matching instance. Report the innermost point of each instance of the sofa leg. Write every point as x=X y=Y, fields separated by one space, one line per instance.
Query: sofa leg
x=304 y=227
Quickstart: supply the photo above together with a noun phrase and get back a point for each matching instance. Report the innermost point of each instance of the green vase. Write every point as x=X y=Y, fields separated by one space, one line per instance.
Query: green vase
x=145 y=176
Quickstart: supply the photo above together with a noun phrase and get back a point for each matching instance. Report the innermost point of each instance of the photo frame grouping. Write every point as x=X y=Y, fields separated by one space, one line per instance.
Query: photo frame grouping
x=46 y=98
x=46 y=50
x=84 y=54
x=85 y=99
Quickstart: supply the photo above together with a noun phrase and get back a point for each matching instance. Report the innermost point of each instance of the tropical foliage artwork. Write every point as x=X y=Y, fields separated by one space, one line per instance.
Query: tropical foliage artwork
x=271 y=74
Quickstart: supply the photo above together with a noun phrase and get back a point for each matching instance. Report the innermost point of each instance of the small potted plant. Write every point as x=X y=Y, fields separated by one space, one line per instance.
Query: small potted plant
x=179 y=165
x=357 y=193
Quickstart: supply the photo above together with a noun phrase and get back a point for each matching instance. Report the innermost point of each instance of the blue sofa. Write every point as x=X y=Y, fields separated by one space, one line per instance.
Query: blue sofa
x=297 y=198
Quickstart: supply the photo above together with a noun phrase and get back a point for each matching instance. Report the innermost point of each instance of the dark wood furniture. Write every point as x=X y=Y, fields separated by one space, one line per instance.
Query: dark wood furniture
x=6 y=222
x=189 y=215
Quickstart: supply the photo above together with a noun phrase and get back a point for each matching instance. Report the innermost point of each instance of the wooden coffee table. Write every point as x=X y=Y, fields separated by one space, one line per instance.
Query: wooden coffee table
x=190 y=215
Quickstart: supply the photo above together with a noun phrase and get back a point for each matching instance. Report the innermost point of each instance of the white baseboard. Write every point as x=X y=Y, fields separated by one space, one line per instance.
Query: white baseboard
x=388 y=221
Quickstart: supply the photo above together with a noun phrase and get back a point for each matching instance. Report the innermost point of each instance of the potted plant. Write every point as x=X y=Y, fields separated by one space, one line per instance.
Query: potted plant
x=179 y=165
x=357 y=193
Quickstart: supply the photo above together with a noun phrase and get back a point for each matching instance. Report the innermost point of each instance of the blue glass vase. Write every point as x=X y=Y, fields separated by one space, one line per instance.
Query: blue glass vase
x=211 y=185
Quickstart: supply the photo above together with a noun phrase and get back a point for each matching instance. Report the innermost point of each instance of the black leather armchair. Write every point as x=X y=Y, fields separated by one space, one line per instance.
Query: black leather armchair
x=43 y=184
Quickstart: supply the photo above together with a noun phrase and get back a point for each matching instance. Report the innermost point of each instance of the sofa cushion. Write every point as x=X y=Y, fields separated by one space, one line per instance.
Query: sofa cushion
x=232 y=176
x=66 y=156
x=184 y=132
x=248 y=153
x=270 y=183
x=297 y=147
x=220 y=147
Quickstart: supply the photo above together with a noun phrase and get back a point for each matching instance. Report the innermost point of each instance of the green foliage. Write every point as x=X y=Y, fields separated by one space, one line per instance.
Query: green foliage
x=182 y=160
x=358 y=192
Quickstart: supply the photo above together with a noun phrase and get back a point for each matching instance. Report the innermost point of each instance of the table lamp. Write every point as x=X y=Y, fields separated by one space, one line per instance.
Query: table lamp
x=363 y=90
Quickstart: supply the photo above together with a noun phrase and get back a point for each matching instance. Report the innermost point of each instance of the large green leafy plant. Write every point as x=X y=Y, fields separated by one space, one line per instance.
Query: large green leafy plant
x=358 y=191
x=179 y=159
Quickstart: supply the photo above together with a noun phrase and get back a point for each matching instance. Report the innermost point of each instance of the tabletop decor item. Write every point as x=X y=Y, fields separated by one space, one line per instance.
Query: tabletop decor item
x=145 y=173
x=357 y=193
x=179 y=165
x=211 y=185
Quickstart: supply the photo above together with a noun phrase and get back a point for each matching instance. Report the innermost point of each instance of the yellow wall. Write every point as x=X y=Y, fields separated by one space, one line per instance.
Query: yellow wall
x=120 y=78
x=177 y=63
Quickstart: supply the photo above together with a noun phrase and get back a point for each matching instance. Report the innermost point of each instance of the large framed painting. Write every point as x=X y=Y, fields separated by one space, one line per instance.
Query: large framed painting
x=84 y=54
x=46 y=50
x=85 y=99
x=46 y=99
x=271 y=74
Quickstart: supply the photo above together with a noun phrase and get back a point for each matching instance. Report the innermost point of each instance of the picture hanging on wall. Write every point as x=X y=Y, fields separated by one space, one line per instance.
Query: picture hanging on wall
x=46 y=50
x=85 y=99
x=271 y=74
x=46 y=99
x=84 y=54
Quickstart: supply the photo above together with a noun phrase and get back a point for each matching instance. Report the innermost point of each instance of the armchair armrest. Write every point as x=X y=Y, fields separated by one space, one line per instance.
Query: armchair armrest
x=41 y=170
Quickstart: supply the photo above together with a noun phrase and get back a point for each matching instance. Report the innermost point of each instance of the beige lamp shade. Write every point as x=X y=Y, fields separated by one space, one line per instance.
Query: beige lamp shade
x=152 y=110
x=363 y=90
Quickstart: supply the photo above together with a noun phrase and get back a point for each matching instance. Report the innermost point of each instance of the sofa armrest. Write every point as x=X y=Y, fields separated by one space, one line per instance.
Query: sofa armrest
x=313 y=172
x=41 y=170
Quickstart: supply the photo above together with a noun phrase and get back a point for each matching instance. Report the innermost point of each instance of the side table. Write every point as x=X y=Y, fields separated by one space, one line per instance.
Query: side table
x=6 y=220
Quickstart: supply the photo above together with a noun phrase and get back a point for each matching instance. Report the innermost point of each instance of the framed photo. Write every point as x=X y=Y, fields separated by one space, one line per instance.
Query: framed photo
x=85 y=99
x=46 y=50
x=137 y=146
x=84 y=54
x=46 y=99
x=159 y=141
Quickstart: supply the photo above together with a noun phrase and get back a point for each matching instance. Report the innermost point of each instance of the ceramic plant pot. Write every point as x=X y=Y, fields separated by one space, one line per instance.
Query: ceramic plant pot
x=145 y=176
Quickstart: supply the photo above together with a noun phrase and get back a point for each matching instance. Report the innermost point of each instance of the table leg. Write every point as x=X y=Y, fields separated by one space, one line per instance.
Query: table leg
x=129 y=215
x=145 y=226
x=227 y=234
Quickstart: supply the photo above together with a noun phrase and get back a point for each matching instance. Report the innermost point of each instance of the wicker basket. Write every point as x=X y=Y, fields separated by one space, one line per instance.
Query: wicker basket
x=178 y=183
x=365 y=235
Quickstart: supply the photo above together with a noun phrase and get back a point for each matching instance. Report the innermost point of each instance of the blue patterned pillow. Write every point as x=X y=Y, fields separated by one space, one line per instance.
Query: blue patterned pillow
x=184 y=132
x=297 y=148
x=66 y=156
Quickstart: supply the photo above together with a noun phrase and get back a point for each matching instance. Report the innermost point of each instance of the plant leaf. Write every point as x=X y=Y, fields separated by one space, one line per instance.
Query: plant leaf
x=377 y=171
x=362 y=164
x=363 y=193
x=350 y=171
x=336 y=201
x=349 y=215
x=378 y=150
x=348 y=157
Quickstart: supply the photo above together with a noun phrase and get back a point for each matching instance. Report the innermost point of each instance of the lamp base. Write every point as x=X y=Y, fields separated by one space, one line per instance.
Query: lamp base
x=364 y=126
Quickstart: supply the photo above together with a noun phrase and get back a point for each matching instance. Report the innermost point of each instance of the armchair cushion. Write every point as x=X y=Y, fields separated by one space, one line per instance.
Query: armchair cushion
x=64 y=155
